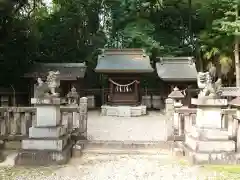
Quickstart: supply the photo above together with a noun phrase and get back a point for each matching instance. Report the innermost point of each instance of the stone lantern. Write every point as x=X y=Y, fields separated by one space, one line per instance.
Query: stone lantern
x=72 y=97
x=177 y=97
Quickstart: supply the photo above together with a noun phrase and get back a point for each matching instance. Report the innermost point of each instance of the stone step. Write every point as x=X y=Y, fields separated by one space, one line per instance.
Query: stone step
x=213 y=158
x=122 y=147
x=126 y=144
x=123 y=151
x=209 y=146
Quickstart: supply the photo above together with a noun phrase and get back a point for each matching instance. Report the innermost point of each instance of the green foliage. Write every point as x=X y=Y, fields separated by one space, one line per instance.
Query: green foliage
x=228 y=23
x=74 y=31
x=17 y=42
x=217 y=39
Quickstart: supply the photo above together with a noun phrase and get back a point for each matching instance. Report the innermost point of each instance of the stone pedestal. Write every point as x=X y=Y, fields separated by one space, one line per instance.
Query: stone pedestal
x=208 y=142
x=209 y=112
x=48 y=141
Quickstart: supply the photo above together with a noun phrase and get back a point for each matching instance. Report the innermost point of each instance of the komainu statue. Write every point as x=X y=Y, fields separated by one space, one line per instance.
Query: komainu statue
x=53 y=82
x=48 y=88
x=207 y=86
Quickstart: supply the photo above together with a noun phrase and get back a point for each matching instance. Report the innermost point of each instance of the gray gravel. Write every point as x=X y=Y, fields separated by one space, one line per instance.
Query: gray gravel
x=116 y=167
x=143 y=128
x=113 y=167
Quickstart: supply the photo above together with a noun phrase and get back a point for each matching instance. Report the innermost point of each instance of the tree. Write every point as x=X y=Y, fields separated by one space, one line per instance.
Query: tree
x=16 y=41
x=230 y=26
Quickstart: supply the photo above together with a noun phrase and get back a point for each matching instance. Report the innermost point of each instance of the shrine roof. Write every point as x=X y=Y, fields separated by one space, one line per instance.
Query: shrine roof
x=123 y=61
x=177 y=69
x=68 y=71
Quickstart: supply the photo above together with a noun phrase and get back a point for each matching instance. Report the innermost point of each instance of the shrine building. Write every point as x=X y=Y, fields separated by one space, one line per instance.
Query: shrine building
x=178 y=72
x=123 y=68
x=71 y=75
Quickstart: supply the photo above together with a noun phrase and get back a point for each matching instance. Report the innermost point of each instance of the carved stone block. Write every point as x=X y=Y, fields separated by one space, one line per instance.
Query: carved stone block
x=211 y=158
x=209 y=133
x=47 y=132
x=48 y=116
x=45 y=144
x=209 y=146
x=43 y=158
x=46 y=101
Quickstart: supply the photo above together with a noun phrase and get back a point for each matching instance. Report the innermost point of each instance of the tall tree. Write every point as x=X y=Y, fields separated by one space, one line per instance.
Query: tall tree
x=229 y=24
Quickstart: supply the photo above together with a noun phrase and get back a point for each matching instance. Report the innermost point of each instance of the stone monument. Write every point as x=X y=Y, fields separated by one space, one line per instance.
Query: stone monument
x=48 y=142
x=208 y=141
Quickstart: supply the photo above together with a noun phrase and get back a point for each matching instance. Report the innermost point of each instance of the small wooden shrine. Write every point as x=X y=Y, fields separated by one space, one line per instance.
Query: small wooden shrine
x=177 y=71
x=123 y=68
x=71 y=75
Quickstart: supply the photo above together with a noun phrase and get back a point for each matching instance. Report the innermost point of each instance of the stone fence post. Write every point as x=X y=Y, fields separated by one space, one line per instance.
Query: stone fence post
x=169 y=130
x=83 y=115
x=236 y=103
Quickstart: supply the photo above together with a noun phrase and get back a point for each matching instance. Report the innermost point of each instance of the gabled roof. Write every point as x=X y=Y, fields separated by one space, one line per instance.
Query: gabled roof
x=68 y=71
x=177 y=69
x=123 y=61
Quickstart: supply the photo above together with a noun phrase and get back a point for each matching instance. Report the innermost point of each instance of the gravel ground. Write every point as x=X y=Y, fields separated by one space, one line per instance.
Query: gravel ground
x=113 y=167
x=117 y=167
x=143 y=128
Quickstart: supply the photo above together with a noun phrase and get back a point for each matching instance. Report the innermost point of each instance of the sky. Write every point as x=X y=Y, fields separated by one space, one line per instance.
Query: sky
x=48 y=2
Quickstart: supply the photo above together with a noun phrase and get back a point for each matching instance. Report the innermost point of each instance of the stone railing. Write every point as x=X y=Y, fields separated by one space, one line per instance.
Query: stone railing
x=184 y=118
x=16 y=121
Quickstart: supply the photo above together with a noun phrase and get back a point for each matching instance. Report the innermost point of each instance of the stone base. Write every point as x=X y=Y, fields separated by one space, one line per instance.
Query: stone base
x=12 y=145
x=209 y=101
x=208 y=146
x=44 y=157
x=211 y=158
x=201 y=148
x=47 y=116
x=47 y=132
x=45 y=144
x=209 y=133
x=123 y=111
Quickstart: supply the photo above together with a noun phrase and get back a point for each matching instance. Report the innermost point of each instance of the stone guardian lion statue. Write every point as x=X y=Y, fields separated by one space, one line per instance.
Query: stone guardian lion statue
x=53 y=82
x=48 y=88
x=207 y=86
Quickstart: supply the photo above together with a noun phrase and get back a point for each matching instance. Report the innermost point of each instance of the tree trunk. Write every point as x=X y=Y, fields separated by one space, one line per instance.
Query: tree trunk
x=236 y=54
x=190 y=25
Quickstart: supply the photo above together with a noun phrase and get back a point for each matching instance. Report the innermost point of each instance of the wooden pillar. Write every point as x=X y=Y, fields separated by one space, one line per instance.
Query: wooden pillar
x=111 y=92
x=136 y=91
x=103 y=96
